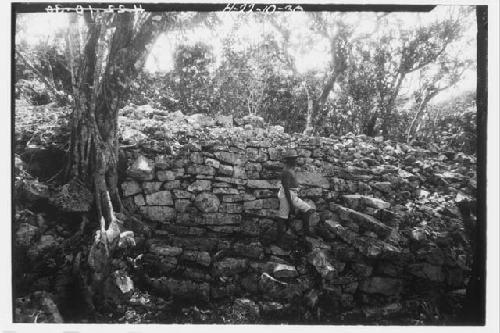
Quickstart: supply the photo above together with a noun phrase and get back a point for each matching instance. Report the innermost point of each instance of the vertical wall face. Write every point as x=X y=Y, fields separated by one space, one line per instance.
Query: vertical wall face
x=213 y=209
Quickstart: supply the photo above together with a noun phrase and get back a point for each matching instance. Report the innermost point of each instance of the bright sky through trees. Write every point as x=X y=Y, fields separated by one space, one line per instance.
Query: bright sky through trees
x=42 y=27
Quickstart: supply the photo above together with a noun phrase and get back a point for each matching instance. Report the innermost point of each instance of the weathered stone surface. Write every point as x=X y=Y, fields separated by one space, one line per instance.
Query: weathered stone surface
x=319 y=259
x=381 y=285
x=239 y=172
x=201 y=170
x=196 y=157
x=200 y=185
x=218 y=219
x=263 y=184
x=372 y=248
x=385 y=187
x=362 y=269
x=207 y=202
x=139 y=200
x=364 y=220
x=273 y=288
x=256 y=155
x=271 y=203
x=238 y=197
x=284 y=271
x=231 y=208
x=314 y=192
x=225 y=170
x=251 y=250
x=230 y=158
x=130 y=187
x=225 y=121
x=164 y=250
x=427 y=271
x=181 y=194
x=225 y=229
x=26 y=234
x=158 y=213
x=231 y=180
x=182 y=288
x=313 y=179
x=141 y=169
x=230 y=266
x=226 y=190
x=151 y=187
x=193 y=273
x=171 y=184
x=200 y=257
x=359 y=202
x=163 y=175
x=383 y=311
x=181 y=205
x=212 y=162
x=162 y=198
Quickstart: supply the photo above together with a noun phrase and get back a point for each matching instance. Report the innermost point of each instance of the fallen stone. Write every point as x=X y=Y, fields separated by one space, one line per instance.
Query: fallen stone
x=359 y=202
x=365 y=221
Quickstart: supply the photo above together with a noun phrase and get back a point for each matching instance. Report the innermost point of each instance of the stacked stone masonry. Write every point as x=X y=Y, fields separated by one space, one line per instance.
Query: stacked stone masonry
x=213 y=205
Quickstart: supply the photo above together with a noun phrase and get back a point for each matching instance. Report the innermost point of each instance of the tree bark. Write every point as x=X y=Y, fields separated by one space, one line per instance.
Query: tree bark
x=420 y=111
x=101 y=88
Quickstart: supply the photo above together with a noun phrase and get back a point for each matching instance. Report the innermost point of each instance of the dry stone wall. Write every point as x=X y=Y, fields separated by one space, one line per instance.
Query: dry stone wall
x=212 y=208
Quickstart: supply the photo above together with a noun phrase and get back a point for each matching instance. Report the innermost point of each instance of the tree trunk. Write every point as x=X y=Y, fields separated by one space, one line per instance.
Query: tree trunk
x=370 y=126
x=308 y=129
x=102 y=86
x=421 y=109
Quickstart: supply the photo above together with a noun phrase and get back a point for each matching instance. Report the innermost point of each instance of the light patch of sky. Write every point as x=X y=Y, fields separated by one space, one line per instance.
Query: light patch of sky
x=41 y=26
x=309 y=56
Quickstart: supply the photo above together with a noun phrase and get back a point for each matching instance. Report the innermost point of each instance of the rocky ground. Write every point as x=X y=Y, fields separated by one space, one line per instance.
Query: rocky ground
x=426 y=190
